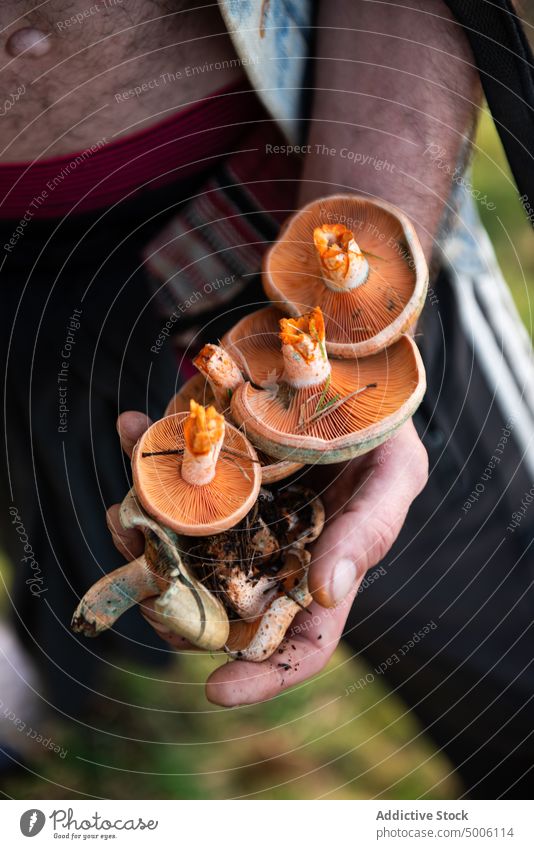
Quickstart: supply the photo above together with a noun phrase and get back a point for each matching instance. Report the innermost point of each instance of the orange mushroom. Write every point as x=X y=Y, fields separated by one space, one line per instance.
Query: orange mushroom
x=323 y=411
x=196 y=473
x=358 y=259
x=215 y=364
x=215 y=590
x=350 y=278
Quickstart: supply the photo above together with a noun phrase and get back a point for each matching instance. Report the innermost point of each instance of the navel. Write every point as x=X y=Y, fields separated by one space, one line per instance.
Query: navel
x=28 y=40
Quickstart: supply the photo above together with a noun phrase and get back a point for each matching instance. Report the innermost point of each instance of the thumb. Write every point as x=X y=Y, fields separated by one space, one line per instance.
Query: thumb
x=366 y=509
x=131 y=426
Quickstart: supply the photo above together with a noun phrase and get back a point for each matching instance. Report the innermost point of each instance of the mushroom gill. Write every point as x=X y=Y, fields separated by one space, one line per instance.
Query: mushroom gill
x=358 y=405
x=360 y=261
x=166 y=492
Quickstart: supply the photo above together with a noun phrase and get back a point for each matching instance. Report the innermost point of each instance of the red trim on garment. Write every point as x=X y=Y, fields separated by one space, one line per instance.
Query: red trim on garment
x=181 y=146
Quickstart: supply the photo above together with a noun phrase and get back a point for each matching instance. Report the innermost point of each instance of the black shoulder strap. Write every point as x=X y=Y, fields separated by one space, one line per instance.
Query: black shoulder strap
x=506 y=64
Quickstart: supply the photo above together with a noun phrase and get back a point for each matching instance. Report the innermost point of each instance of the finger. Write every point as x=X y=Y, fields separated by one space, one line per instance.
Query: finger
x=130 y=426
x=303 y=653
x=150 y=615
x=130 y=543
x=363 y=526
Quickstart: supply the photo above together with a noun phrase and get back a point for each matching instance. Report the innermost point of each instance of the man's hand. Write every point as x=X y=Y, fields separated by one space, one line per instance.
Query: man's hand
x=366 y=504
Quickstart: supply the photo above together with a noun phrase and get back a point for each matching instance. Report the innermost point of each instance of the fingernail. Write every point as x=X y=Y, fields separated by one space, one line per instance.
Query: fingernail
x=343 y=579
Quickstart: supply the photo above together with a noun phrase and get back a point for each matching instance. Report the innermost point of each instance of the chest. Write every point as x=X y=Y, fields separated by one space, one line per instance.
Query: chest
x=68 y=87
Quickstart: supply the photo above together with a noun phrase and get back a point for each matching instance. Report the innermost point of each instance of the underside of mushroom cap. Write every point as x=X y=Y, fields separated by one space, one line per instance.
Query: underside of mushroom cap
x=273 y=470
x=373 y=314
x=188 y=508
x=360 y=406
x=254 y=343
x=198 y=388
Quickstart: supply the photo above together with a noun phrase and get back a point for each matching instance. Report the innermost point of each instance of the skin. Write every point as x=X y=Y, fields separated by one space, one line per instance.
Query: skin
x=390 y=79
x=366 y=505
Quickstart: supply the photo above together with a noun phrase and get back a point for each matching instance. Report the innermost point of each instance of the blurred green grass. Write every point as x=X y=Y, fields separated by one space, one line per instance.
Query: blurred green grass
x=305 y=744
x=311 y=742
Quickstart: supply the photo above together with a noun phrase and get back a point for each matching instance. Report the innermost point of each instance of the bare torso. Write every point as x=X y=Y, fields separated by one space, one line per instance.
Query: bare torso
x=106 y=68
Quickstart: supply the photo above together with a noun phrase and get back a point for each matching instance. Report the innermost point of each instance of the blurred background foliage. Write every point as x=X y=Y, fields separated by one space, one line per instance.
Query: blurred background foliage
x=162 y=739
x=507 y=225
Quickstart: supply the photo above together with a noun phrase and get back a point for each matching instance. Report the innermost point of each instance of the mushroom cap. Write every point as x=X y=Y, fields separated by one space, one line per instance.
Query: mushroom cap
x=187 y=508
x=273 y=470
x=372 y=316
x=198 y=388
x=275 y=418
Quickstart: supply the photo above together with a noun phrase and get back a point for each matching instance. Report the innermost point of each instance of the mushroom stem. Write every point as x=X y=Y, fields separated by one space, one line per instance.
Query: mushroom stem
x=191 y=611
x=343 y=264
x=259 y=639
x=299 y=372
x=303 y=348
x=204 y=435
x=113 y=595
x=221 y=371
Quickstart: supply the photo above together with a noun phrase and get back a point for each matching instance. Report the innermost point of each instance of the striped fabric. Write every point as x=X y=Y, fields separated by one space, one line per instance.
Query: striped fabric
x=204 y=256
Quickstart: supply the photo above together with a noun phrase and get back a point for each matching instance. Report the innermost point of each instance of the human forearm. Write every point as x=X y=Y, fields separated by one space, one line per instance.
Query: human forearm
x=391 y=79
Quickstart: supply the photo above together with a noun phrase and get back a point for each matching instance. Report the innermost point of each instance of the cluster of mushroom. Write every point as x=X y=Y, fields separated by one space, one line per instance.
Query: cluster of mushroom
x=326 y=372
